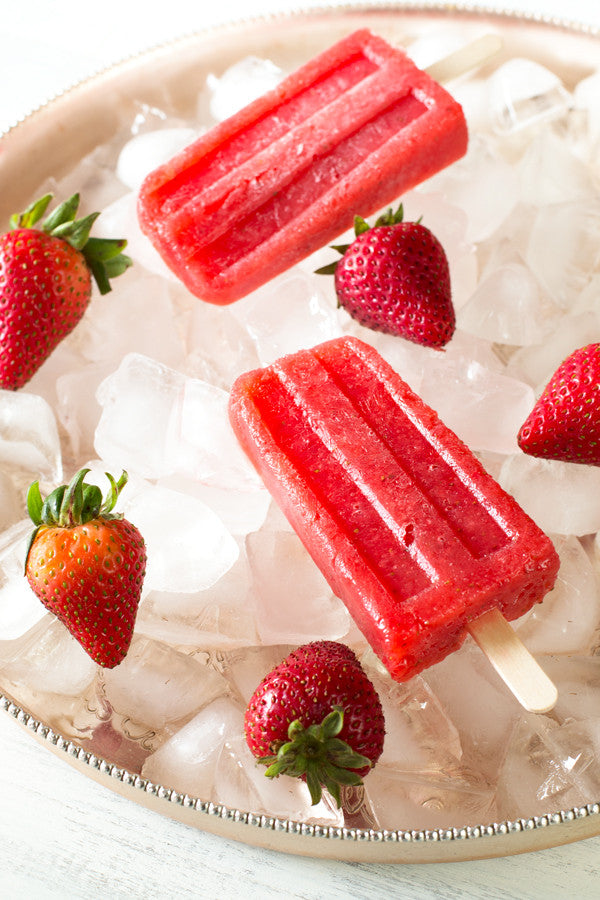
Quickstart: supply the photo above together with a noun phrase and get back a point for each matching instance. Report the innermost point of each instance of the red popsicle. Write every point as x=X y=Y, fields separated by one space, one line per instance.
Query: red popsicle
x=410 y=531
x=347 y=133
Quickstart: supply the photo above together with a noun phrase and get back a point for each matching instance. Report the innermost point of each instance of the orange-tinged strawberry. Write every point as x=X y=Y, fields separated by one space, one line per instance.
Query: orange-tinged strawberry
x=46 y=273
x=317 y=716
x=86 y=564
x=394 y=277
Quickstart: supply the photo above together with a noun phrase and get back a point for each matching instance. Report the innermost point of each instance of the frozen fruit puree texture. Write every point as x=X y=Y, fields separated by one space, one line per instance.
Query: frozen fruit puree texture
x=408 y=528
x=347 y=133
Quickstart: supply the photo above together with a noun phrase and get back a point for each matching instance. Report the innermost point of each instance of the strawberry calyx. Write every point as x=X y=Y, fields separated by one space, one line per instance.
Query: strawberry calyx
x=72 y=504
x=318 y=756
x=104 y=256
x=389 y=217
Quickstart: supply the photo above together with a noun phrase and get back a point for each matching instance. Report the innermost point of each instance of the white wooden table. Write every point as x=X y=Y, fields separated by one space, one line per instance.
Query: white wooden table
x=62 y=834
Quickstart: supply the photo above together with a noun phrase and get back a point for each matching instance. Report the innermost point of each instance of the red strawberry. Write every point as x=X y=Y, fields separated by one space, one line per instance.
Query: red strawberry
x=87 y=564
x=317 y=716
x=565 y=422
x=46 y=283
x=395 y=278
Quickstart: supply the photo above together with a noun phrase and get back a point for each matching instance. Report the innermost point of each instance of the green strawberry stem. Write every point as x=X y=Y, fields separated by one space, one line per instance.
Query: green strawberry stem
x=72 y=504
x=318 y=755
x=104 y=256
x=389 y=217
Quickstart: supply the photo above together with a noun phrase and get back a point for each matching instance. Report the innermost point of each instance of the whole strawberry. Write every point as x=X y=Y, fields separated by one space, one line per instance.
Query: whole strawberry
x=318 y=717
x=565 y=422
x=395 y=278
x=46 y=283
x=86 y=564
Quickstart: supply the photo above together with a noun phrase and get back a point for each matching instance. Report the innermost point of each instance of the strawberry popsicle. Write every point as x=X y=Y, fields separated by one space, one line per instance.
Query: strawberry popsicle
x=408 y=528
x=346 y=133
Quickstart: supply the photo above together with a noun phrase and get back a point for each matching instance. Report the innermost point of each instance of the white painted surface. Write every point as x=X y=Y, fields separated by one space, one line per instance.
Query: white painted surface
x=62 y=835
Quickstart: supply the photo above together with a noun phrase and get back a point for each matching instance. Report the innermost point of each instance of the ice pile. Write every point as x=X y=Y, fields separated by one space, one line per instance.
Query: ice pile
x=142 y=384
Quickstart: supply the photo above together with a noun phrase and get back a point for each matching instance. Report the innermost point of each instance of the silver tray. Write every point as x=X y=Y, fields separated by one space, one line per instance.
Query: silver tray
x=48 y=143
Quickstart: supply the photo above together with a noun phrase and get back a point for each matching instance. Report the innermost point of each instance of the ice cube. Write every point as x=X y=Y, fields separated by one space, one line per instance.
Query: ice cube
x=420 y=738
x=67 y=357
x=412 y=361
x=564 y=267
x=20 y=609
x=549 y=767
x=77 y=408
x=507 y=307
x=202 y=443
x=294 y=603
x=221 y=348
x=220 y=626
x=232 y=588
x=537 y=364
x=482 y=184
x=240 y=511
x=465 y=348
x=307 y=317
x=577 y=679
x=568 y=619
x=410 y=802
x=550 y=173
x=29 y=439
x=477 y=703
x=148 y=150
x=524 y=93
x=560 y=497
x=188 y=546
x=187 y=761
x=156 y=335
x=138 y=402
x=485 y=409
x=51 y=661
x=241 y=83
x=221 y=616
x=473 y=95
x=156 y=685
x=156 y=422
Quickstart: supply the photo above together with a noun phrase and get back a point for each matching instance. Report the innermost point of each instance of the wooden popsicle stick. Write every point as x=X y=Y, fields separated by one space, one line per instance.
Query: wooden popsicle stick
x=513 y=662
x=465 y=58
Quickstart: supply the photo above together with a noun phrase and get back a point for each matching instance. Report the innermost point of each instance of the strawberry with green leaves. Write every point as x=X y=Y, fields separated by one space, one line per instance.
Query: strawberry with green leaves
x=46 y=273
x=394 y=277
x=86 y=563
x=317 y=716
x=565 y=422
